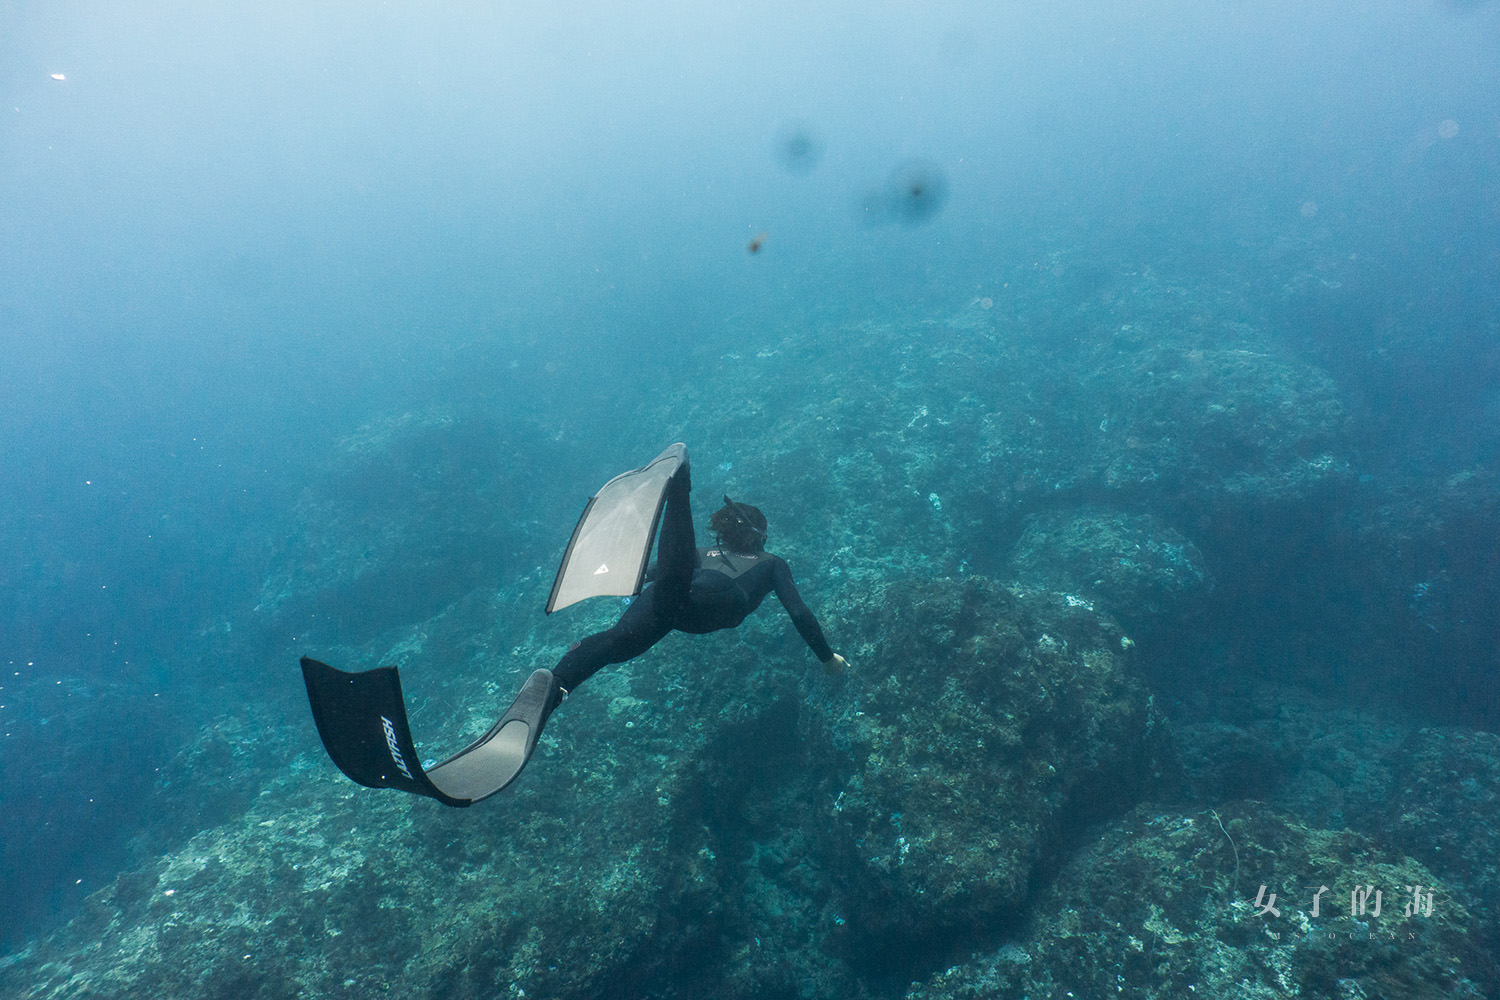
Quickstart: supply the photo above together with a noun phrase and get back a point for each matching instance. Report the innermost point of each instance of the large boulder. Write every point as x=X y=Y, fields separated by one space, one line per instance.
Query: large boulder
x=988 y=723
x=1164 y=905
x=1143 y=570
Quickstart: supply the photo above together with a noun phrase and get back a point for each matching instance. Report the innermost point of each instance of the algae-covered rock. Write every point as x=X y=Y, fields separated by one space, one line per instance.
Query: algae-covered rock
x=1166 y=906
x=1432 y=793
x=991 y=721
x=1247 y=423
x=1449 y=796
x=1222 y=761
x=320 y=889
x=1140 y=568
x=1217 y=422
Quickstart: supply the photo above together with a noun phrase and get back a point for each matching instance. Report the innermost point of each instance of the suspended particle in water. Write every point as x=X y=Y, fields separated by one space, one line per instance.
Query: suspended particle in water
x=1309 y=209
x=915 y=192
x=1447 y=128
x=798 y=148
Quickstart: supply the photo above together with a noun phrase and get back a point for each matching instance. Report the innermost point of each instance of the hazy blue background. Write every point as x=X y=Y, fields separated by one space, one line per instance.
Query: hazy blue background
x=235 y=232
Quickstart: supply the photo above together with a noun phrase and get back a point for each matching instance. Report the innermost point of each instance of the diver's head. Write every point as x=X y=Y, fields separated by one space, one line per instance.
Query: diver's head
x=740 y=527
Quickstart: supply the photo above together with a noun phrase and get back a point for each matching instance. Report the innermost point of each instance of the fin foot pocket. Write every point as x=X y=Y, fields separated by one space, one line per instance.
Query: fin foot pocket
x=496 y=759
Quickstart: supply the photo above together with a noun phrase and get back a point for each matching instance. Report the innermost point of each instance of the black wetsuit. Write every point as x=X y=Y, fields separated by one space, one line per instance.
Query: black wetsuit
x=694 y=590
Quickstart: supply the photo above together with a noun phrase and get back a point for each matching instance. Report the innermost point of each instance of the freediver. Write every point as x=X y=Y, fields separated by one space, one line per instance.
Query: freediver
x=362 y=719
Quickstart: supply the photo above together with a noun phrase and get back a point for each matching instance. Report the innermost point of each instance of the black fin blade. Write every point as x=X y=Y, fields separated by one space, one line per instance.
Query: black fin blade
x=362 y=720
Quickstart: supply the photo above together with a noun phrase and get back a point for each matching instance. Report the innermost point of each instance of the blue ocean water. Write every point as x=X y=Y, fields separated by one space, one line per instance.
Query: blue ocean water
x=318 y=325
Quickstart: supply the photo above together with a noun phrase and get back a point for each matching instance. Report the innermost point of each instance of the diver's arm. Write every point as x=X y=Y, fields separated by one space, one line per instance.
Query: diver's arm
x=806 y=622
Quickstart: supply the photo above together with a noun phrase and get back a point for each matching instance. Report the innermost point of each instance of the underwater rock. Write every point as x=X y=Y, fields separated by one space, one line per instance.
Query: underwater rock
x=1222 y=761
x=946 y=435
x=672 y=812
x=1164 y=905
x=991 y=724
x=1229 y=426
x=1384 y=594
x=617 y=858
x=323 y=889
x=1449 y=795
x=1430 y=792
x=1140 y=568
x=1428 y=554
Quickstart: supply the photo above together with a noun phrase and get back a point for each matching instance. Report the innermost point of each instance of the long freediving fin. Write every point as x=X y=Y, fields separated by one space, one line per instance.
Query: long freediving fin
x=611 y=543
x=361 y=718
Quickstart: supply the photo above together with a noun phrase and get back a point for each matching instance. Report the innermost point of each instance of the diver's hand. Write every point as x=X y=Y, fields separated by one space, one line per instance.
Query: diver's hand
x=837 y=665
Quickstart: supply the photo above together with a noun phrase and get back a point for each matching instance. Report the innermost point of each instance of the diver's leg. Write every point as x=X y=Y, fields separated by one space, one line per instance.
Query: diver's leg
x=676 y=547
x=639 y=628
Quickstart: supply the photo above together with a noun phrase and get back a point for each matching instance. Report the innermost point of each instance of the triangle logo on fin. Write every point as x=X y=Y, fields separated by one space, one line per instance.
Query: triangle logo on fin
x=603 y=568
